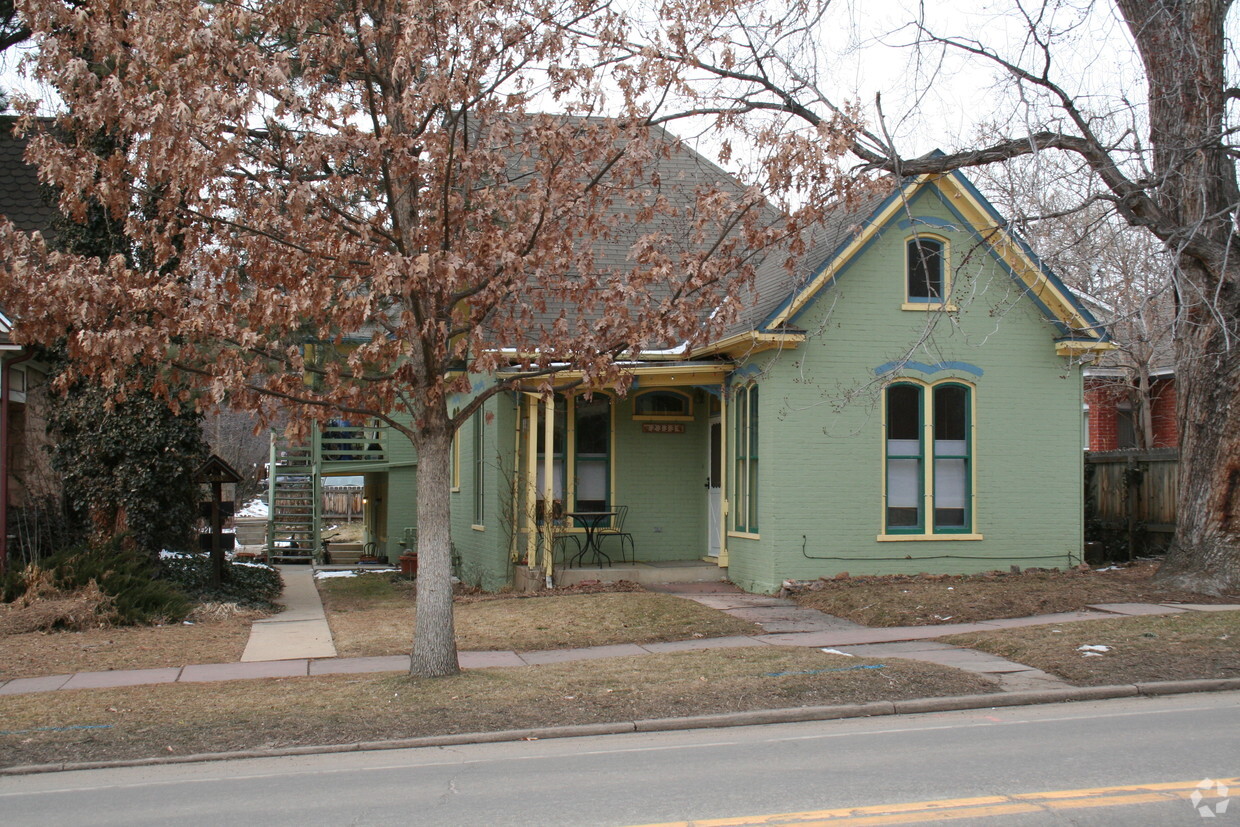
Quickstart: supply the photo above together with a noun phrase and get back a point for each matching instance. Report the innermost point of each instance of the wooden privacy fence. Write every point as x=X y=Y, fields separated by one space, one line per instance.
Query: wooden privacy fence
x=345 y=501
x=1130 y=499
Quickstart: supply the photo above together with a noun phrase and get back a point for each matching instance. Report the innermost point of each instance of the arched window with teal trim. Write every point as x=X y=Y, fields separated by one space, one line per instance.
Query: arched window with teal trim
x=928 y=451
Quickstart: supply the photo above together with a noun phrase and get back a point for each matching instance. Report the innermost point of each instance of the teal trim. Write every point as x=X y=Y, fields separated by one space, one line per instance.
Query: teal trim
x=920 y=456
x=967 y=523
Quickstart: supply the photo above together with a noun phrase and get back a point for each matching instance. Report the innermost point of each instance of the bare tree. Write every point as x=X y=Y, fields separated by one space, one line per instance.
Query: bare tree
x=1165 y=164
x=1123 y=271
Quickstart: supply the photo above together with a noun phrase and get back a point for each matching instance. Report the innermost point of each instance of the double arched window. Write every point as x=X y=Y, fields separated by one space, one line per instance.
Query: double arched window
x=928 y=480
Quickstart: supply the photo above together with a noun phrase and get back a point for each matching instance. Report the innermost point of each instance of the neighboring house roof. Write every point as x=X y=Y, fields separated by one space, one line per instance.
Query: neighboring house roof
x=22 y=196
x=22 y=199
x=782 y=294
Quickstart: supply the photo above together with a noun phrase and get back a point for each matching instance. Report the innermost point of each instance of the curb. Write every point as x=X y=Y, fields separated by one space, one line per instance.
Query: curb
x=731 y=719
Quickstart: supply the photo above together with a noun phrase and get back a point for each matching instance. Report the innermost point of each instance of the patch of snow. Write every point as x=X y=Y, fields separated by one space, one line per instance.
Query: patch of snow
x=165 y=554
x=251 y=565
x=1110 y=568
x=1093 y=647
x=256 y=507
x=1091 y=654
x=838 y=652
x=324 y=575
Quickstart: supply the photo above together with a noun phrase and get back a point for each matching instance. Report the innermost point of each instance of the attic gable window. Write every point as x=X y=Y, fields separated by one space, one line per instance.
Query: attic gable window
x=926 y=281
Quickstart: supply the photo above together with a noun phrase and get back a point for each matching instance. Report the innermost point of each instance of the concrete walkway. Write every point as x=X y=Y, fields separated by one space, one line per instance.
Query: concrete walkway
x=289 y=644
x=300 y=630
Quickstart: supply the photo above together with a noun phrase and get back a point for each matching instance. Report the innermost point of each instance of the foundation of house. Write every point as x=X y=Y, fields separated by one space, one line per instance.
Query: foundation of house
x=668 y=571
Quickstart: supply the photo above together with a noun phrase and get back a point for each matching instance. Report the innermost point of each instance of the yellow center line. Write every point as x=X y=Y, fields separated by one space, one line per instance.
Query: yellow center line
x=977 y=807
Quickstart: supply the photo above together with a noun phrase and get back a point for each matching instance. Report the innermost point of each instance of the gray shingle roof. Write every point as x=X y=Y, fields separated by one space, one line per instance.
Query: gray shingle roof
x=22 y=198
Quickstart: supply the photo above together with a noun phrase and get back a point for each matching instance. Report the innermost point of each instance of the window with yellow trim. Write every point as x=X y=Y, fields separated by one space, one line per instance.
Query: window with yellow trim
x=928 y=458
x=745 y=449
x=456 y=456
x=662 y=404
x=926 y=280
x=479 y=434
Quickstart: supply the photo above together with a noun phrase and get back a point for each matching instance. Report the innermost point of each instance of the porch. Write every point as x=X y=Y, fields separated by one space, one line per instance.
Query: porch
x=642 y=475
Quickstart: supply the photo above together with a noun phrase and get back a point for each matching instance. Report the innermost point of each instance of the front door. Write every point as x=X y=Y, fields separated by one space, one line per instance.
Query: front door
x=714 y=498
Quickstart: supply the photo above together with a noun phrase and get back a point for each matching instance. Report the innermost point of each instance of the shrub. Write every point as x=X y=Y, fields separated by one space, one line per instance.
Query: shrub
x=247 y=584
x=125 y=577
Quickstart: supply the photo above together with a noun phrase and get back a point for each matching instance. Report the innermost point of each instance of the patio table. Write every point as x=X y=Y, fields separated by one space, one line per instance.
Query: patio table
x=591 y=521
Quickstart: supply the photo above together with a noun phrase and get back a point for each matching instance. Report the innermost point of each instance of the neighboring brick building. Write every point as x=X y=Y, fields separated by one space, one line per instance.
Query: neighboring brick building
x=1112 y=410
x=26 y=478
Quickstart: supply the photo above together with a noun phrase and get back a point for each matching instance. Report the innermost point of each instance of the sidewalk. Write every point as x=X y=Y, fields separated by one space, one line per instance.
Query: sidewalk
x=297 y=643
x=300 y=630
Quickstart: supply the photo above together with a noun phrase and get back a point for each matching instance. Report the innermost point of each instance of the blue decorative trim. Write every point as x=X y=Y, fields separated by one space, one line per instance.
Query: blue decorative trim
x=922 y=367
x=741 y=374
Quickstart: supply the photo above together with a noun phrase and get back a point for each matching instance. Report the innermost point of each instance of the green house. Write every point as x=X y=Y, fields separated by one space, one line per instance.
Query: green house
x=906 y=399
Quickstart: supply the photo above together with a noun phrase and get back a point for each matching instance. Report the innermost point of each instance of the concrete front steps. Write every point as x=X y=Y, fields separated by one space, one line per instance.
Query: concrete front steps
x=666 y=571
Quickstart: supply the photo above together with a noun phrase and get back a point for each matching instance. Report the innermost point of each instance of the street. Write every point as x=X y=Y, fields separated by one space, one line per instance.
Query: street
x=749 y=772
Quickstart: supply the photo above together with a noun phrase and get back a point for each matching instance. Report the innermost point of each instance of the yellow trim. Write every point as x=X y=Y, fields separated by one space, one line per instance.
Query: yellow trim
x=904 y=538
x=1010 y=252
x=946 y=274
x=744 y=535
x=705 y=373
x=456 y=457
x=751 y=342
x=949 y=307
x=1080 y=348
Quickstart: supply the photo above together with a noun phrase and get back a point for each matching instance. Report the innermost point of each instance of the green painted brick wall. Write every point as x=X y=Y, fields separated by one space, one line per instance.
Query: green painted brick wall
x=821 y=443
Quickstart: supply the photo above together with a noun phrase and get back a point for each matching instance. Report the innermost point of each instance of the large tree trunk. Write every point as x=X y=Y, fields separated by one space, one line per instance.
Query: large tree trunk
x=434 y=640
x=1205 y=553
x=1182 y=46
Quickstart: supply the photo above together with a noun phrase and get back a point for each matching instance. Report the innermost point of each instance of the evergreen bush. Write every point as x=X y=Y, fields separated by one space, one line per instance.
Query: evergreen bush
x=247 y=584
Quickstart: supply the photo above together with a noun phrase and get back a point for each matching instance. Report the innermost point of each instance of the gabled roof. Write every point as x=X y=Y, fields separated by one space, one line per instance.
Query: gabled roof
x=782 y=294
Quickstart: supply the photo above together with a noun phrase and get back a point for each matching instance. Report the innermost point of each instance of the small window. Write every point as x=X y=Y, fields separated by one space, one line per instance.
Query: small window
x=925 y=271
x=479 y=467
x=745 y=446
x=662 y=405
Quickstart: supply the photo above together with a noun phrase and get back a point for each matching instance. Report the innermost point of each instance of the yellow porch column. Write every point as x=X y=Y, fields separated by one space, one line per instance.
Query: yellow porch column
x=531 y=480
x=548 y=482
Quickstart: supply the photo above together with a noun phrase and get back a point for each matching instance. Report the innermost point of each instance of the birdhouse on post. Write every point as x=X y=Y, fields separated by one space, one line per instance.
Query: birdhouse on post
x=217 y=473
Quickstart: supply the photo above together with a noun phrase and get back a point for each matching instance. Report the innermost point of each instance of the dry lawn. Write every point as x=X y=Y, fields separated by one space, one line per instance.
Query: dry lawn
x=927 y=600
x=124 y=647
x=373 y=615
x=177 y=719
x=1174 y=647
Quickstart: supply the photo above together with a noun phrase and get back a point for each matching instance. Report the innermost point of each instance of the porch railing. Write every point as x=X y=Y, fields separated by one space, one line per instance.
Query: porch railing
x=343 y=442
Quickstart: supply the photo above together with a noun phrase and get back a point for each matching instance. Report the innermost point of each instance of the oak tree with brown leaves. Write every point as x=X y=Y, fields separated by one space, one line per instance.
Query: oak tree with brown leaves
x=367 y=213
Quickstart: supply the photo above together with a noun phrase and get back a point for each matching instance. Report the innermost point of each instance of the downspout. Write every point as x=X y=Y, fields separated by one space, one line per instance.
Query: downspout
x=6 y=367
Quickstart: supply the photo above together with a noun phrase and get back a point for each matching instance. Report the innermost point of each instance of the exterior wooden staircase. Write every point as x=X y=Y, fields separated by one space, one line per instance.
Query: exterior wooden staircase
x=292 y=495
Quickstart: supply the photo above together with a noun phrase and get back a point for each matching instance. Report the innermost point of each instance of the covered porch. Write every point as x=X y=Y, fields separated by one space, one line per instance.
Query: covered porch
x=623 y=488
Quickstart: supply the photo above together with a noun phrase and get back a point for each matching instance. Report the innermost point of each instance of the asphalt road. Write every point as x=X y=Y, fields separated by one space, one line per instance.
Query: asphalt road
x=991 y=755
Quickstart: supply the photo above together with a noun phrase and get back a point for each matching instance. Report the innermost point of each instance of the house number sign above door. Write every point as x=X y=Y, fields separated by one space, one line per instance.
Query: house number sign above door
x=663 y=427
